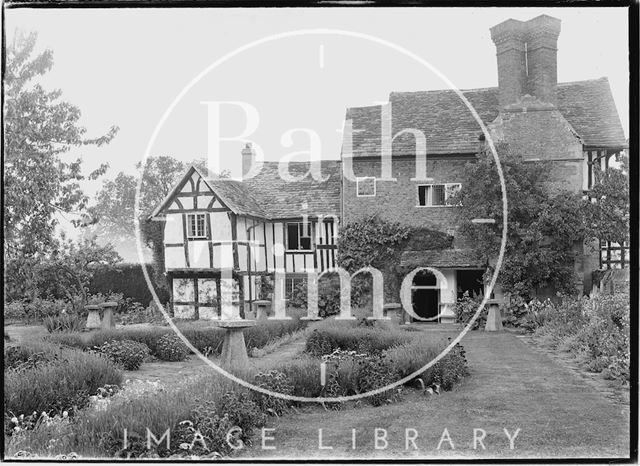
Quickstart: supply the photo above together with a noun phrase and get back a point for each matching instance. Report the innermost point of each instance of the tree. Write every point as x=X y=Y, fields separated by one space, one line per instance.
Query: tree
x=606 y=210
x=39 y=129
x=38 y=181
x=544 y=225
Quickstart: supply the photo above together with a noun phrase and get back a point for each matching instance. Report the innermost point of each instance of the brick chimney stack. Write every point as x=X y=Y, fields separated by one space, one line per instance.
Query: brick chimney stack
x=527 y=56
x=542 y=56
x=509 y=39
x=248 y=159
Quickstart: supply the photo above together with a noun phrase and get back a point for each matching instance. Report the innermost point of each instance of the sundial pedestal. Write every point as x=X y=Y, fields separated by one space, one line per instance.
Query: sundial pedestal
x=234 y=352
x=494 y=318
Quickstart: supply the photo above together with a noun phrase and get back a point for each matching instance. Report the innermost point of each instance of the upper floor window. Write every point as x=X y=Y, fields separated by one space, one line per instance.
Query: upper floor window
x=366 y=187
x=613 y=255
x=299 y=236
x=434 y=195
x=196 y=226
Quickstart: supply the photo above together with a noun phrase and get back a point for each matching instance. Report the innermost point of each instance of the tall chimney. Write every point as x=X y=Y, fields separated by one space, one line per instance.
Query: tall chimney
x=542 y=57
x=248 y=159
x=509 y=38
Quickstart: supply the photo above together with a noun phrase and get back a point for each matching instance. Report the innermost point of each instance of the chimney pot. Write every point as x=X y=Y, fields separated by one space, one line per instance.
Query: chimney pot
x=248 y=159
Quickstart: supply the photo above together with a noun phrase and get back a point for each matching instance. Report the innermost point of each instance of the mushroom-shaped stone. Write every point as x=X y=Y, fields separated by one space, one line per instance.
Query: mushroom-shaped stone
x=108 y=321
x=93 y=317
x=494 y=319
x=262 y=308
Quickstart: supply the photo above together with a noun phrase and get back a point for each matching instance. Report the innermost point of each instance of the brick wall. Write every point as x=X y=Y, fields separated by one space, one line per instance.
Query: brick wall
x=397 y=201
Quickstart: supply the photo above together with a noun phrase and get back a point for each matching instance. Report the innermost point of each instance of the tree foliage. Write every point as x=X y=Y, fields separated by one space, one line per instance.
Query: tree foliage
x=607 y=209
x=545 y=226
x=39 y=130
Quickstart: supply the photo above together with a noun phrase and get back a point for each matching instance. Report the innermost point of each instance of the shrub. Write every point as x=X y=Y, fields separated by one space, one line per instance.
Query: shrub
x=67 y=322
x=171 y=348
x=335 y=335
x=303 y=373
x=32 y=352
x=595 y=330
x=59 y=384
x=127 y=353
x=35 y=310
x=277 y=382
x=465 y=309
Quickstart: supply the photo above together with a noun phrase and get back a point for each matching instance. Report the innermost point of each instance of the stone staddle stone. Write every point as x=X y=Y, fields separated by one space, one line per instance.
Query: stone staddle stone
x=93 y=317
x=108 y=321
x=234 y=353
x=262 y=308
x=494 y=319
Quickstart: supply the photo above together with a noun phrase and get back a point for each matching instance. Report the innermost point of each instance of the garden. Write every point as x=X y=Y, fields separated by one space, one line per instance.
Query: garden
x=66 y=395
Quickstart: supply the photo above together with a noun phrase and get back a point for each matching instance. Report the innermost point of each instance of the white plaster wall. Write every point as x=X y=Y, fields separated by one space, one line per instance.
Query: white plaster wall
x=173 y=229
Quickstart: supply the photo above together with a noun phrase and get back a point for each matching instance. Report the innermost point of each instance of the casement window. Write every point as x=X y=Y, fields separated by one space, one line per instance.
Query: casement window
x=299 y=236
x=437 y=195
x=613 y=255
x=196 y=226
x=366 y=187
x=291 y=284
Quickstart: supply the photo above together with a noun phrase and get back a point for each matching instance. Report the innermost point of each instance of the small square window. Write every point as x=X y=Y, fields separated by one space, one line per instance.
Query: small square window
x=366 y=187
x=196 y=226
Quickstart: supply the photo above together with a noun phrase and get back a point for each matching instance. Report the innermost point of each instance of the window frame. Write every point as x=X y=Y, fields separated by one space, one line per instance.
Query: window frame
x=291 y=279
x=300 y=236
x=431 y=185
x=364 y=178
x=195 y=217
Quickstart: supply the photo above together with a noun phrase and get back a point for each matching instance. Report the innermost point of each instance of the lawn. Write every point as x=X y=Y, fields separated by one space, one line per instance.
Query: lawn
x=511 y=386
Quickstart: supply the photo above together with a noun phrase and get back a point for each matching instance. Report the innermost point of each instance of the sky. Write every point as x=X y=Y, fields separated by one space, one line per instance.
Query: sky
x=126 y=67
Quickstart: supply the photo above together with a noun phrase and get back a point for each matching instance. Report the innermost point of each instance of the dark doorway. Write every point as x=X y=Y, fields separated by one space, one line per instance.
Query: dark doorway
x=426 y=301
x=471 y=281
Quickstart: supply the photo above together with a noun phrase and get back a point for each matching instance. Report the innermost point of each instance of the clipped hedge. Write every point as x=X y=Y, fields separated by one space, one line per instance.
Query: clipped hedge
x=127 y=279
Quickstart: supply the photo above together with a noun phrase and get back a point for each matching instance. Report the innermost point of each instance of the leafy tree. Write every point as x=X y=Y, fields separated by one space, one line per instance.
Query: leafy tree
x=545 y=226
x=39 y=130
x=64 y=273
x=39 y=181
x=607 y=209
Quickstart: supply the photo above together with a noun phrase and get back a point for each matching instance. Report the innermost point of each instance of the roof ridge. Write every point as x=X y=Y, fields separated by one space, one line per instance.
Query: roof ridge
x=479 y=89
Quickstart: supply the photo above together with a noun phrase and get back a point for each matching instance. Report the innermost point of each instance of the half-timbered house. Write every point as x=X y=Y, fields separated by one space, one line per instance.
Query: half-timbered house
x=251 y=229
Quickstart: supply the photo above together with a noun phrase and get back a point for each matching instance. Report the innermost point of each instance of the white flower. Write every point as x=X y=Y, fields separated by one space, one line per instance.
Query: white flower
x=185 y=446
x=16 y=429
x=65 y=414
x=14 y=420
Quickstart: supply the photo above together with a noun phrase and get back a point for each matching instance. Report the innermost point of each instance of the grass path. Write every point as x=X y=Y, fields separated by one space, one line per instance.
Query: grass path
x=512 y=385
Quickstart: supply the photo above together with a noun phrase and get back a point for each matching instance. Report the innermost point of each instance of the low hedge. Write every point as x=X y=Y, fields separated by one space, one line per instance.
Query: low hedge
x=62 y=382
x=350 y=336
x=208 y=340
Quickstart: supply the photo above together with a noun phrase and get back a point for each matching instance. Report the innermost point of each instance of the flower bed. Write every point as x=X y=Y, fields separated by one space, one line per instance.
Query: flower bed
x=208 y=340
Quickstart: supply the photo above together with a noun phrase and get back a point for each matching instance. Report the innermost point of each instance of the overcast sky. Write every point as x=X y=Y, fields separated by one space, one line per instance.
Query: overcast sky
x=125 y=67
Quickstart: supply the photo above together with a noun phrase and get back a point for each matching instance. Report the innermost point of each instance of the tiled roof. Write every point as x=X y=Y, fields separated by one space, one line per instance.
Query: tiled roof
x=450 y=128
x=441 y=258
x=268 y=195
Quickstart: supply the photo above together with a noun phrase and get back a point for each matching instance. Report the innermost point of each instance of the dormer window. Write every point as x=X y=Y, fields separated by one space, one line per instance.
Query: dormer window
x=196 y=226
